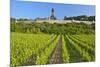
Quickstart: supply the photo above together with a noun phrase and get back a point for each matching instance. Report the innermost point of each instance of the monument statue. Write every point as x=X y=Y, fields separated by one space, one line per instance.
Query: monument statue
x=52 y=17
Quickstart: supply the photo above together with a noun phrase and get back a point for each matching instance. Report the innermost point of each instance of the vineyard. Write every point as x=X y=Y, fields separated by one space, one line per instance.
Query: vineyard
x=35 y=49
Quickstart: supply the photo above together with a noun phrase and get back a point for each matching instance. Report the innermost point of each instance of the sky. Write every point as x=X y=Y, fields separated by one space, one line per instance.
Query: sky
x=32 y=10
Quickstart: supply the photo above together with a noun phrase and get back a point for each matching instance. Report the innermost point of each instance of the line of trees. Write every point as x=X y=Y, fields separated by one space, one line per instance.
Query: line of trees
x=20 y=19
x=80 y=18
x=68 y=28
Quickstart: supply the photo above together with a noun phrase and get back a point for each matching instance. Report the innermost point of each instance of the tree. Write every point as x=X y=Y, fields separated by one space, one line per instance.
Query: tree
x=12 y=19
x=91 y=18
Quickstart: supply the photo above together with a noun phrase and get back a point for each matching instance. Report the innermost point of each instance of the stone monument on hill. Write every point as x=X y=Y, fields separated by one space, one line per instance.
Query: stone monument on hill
x=52 y=17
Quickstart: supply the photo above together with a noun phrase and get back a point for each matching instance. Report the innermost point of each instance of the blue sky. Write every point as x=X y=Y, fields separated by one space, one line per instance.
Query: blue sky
x=31 y=10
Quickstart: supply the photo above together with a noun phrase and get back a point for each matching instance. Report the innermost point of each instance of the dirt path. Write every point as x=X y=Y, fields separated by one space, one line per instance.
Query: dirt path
x=56 y=56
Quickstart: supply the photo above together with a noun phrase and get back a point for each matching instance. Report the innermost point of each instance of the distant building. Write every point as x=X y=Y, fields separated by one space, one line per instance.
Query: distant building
x=40 y=19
